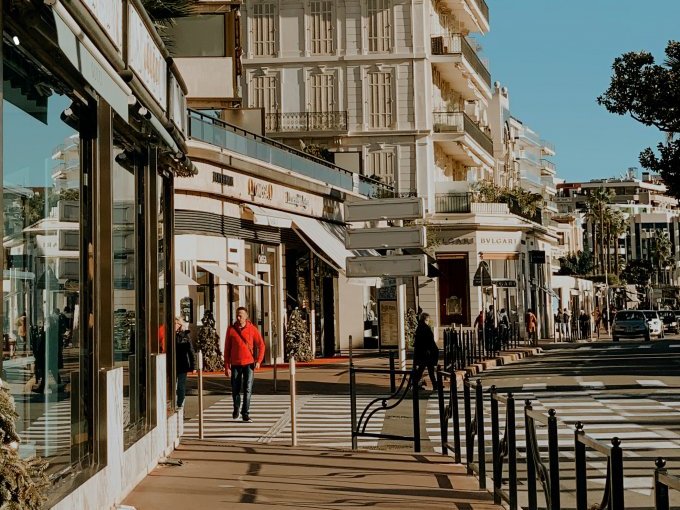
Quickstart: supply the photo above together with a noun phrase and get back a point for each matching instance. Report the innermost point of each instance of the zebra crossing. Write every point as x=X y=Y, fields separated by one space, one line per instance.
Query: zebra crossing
x=322 y=420
x=50 y=433
x=603 y=415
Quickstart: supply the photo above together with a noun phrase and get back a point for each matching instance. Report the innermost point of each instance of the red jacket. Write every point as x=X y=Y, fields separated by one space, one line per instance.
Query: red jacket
x=235 y=350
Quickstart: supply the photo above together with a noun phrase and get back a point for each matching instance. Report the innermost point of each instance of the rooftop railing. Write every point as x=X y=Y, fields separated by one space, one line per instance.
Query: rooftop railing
x=217 y=132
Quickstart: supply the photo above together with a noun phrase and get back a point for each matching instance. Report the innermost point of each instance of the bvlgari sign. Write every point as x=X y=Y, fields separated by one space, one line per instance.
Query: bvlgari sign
x=146 y=59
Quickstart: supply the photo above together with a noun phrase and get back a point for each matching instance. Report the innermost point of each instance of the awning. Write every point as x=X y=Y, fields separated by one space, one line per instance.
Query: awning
x=326 y=240
x=253 y=278
x=265 y=216
x=224 y=275
x=182 y=279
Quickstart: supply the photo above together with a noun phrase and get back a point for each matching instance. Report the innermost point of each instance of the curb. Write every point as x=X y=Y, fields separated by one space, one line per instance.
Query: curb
x=501 y=360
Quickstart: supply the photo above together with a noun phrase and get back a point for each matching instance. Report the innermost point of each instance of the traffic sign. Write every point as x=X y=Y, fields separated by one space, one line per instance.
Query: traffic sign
x=482 y=276
x=408 y=208
x=504 y=282
x=385 y=238
x=386 y=265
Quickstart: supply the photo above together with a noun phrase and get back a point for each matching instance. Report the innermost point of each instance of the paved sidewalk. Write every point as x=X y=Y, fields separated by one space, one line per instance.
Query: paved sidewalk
x=218 y=475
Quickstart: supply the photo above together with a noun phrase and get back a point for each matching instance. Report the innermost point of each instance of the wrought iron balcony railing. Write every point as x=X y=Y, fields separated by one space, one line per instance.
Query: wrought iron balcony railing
x=459 y=122
x=295 y=122
x=454 y=44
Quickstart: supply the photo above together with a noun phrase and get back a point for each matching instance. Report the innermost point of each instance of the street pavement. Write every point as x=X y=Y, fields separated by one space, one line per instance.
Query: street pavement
x=629 y=390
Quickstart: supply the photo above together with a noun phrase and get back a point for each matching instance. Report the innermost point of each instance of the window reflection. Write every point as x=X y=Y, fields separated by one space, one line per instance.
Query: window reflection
x=42 y=346
x=128 y=335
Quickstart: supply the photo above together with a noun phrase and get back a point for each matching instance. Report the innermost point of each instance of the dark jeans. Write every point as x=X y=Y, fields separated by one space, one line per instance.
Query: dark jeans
x=420 y=369
x=242 y=377
x=181 y=388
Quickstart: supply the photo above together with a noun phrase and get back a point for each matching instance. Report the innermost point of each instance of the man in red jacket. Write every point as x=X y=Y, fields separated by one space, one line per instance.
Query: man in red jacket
x=243 y=354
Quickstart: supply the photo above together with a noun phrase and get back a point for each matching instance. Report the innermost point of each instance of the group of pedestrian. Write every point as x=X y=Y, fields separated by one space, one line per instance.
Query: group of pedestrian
x=493 y=327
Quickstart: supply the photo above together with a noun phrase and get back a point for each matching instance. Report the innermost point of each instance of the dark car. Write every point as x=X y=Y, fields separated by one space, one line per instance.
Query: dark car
x=630 y=324
x=670 y=320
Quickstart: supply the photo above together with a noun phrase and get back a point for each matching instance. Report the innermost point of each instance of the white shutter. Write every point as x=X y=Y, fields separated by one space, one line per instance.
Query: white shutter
x=380 y=100
x=321 y=21
x=382 y=166
x=379 y=26
x=264 y=29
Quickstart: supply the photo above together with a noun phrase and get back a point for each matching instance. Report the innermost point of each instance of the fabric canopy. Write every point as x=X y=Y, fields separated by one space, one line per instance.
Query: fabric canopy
x=182 y=279
x=253 y=278
x=224 y=275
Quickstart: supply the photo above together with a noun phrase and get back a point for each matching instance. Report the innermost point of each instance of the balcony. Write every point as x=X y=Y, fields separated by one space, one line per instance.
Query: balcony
x=460 y=123
x=547 y=167
x=548 y=147
x=461 y=203
x=302 y=122
x=221 y=134
x=456 y=44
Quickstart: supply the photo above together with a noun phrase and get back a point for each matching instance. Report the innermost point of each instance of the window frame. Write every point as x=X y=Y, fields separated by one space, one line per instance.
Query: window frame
x=384 y=118
x=274 y=30
x=317 y=43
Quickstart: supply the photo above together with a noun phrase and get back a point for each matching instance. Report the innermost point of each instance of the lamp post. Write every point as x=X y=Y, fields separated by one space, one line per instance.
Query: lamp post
x=606 y=262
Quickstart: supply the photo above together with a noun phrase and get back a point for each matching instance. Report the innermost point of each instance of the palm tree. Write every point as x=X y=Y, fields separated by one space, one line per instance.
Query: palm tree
x=660 y=253
x=596 y=206
x=616 y=227
x=164 y=12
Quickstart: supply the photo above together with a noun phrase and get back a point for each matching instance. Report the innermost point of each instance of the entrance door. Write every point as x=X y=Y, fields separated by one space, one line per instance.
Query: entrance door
x=263 y=307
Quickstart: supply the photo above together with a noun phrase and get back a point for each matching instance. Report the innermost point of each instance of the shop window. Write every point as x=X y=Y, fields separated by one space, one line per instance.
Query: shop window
x=198 y=36
x=128 y=297
x=44 y=349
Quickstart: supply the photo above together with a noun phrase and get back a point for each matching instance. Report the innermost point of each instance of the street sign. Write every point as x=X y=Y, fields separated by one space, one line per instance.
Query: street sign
x=482 y=277
x=409 y=208
x=537 y=256
x=385 y=238
x=504 y=283
x=387 y=265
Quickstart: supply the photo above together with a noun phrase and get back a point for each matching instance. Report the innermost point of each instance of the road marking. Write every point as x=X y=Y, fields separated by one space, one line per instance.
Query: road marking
x=650 y=382
x=534 y=386
x=592 y=384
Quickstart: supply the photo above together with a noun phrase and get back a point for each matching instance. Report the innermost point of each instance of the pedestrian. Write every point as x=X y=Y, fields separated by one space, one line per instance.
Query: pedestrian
x=605 y=320
x=425 y=351
x=583 y=324
x=503 y=326
x=479 y=322
x=184 y=360
x=597 y=319
x=21 y=331
x=565 y=323
x=532 y=326
x=243 y=354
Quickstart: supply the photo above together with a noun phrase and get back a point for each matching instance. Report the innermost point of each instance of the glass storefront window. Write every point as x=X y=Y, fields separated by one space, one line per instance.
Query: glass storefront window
x=43 y=351
x=130 y=347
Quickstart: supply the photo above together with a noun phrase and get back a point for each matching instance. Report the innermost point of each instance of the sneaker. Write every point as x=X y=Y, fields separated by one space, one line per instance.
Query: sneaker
x=235 y=414
x=247 y=419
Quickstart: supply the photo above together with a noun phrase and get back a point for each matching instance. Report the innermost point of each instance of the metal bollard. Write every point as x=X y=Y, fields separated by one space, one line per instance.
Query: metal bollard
x=393 y=380
x=275 y=346
x=200 y=394
x=293 y=419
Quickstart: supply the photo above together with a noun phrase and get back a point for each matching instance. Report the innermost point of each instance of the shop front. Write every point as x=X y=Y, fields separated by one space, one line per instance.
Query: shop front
x=88 y=168
x=271 y=247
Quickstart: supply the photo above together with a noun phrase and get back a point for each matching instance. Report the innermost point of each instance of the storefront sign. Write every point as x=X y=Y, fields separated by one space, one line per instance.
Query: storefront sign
x=109 y=15
x=460 y=240
x=263 y=191
x=537 y=256
x=297 y=200
x=186 y=306
x=146 y=59
x=224 y=180
x=178 y=105
x=504 y=283
x=388 y=316
x=504 y=241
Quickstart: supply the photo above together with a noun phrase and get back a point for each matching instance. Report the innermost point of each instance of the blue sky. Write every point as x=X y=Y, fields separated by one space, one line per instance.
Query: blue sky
x=555 y=57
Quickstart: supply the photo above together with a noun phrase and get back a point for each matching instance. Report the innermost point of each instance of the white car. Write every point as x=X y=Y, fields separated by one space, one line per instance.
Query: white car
x=655 y=323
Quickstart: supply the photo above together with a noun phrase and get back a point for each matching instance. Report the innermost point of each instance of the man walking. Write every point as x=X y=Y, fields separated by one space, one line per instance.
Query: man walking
x=243 y=354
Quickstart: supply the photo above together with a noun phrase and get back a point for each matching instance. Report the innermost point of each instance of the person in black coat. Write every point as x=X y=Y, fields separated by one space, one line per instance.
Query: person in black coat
x=425 y=350
x=184 y=360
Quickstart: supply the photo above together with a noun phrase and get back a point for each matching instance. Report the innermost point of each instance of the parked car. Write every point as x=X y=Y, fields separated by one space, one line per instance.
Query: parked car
x=670 y=320
x=655 y=323
x=630 y=324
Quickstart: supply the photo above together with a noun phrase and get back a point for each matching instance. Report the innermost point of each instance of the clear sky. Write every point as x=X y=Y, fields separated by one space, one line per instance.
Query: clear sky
x=555 y=57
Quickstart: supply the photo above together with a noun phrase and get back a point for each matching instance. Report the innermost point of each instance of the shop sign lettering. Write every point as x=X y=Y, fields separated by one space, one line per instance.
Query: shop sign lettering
x=145 y=59
x=260 y=190
x=109 y=15
x=297 y=200
x=501 y=241
x=460 y=240
x=224 y=180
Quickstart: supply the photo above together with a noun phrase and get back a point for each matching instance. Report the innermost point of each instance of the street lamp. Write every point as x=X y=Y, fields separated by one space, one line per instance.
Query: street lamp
x=606 y=273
